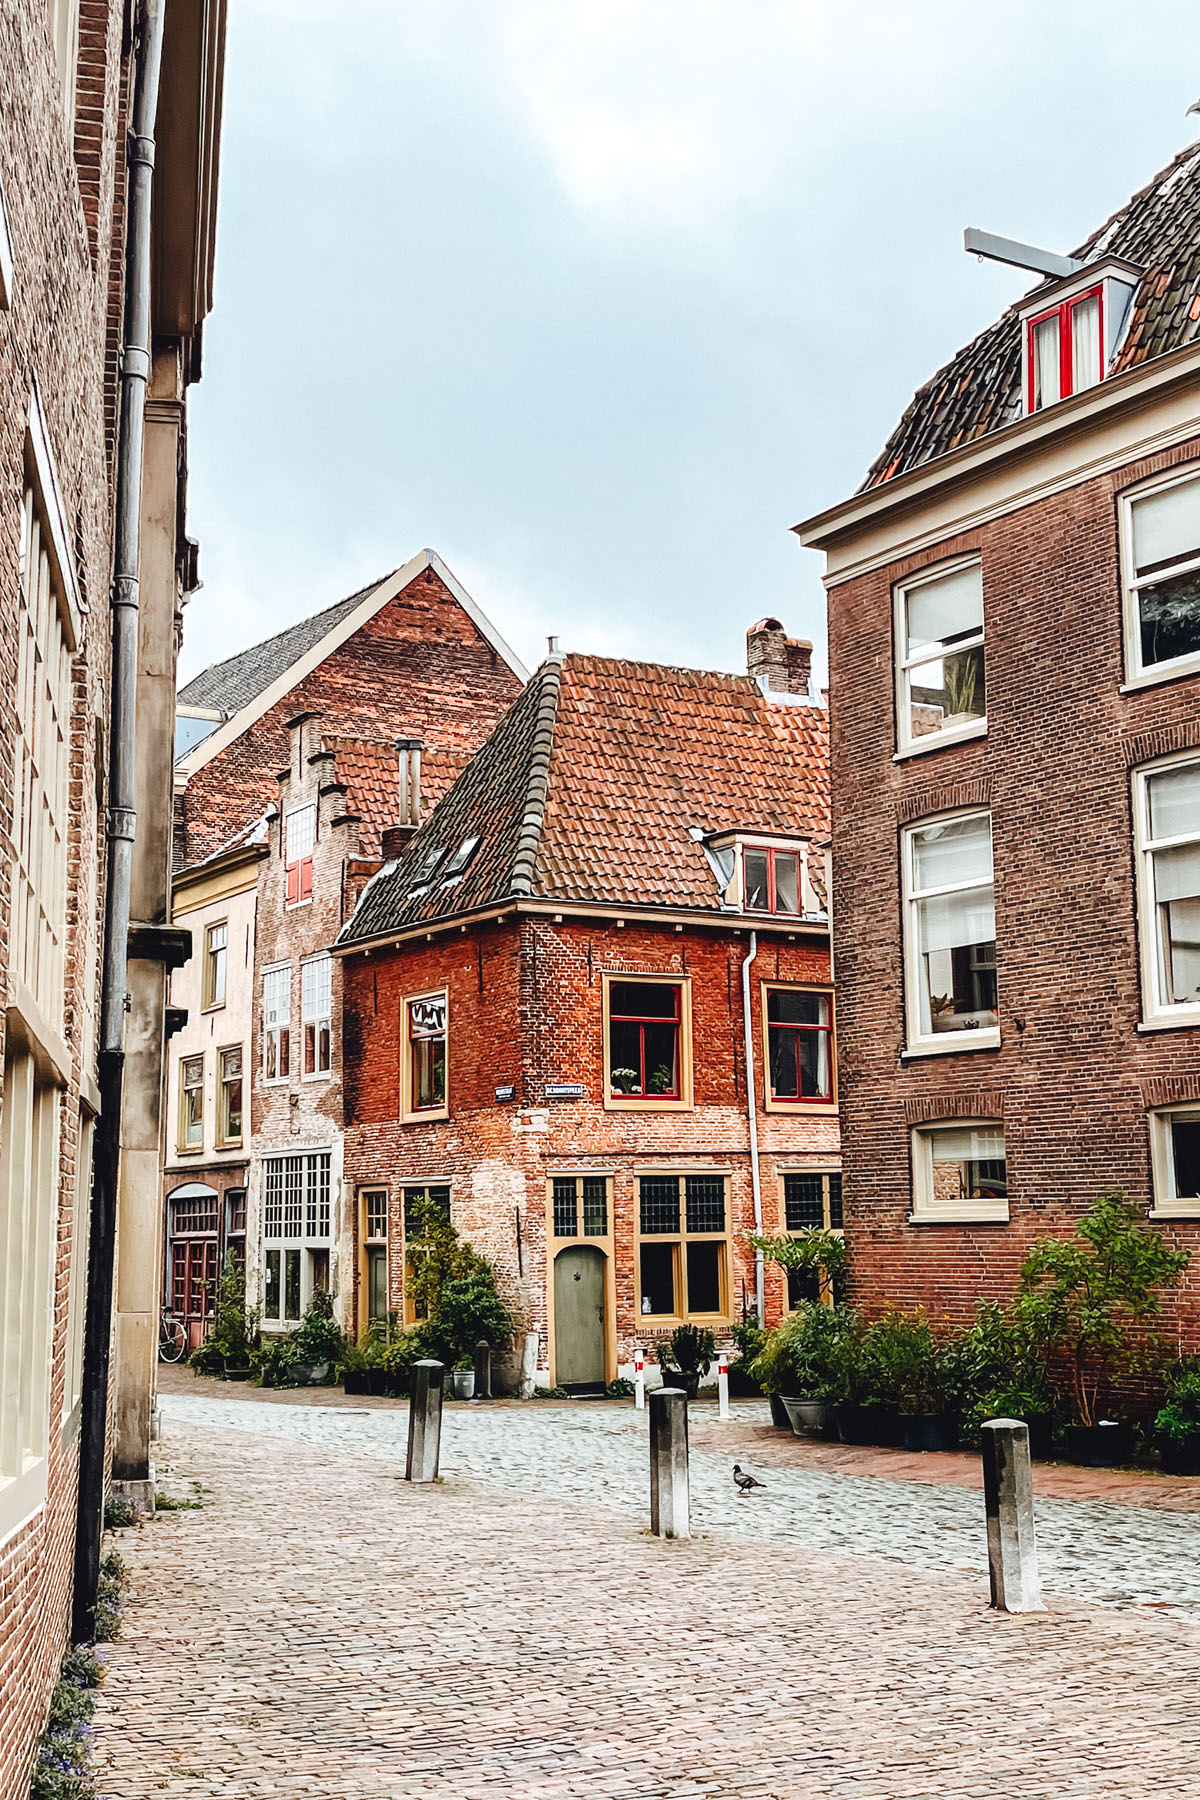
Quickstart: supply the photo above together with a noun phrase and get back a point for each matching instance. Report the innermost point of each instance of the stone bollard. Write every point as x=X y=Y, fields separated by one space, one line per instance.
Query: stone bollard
x=529 y=1361
x=483 y=1370
x=669 y=1501
x=723 y=1387
x=425 y=1421
x=1008 y=1497
x=639 y=1379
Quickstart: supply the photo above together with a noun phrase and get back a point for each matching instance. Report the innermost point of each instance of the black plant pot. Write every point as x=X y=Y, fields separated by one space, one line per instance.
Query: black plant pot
x=675 y=1378
x=869 y=1425
x=238 y=1374
x=380 y=1382
x=779 y=1414
x=1101 y=1446
x=743 y=1386
x=808 y=1418
x=930 y=1431
x=356 y=1381
x=1180 y=1456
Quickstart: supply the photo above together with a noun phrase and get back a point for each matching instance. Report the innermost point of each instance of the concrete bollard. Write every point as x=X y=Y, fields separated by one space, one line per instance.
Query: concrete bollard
x=639 y=1379
x=670 y=1511
x=723 y=1387
x=529 y=1363
x=1008 y=1498
x=425 y=1421
x=483 y=1370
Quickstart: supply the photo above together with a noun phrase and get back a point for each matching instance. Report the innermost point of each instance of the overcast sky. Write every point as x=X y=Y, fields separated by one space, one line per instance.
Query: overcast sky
x=599 y=297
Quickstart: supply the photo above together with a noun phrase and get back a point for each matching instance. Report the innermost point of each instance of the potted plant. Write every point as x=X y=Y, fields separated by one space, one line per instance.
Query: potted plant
x=994 y=1371
x=922 y=1371
x=748 y=1338
x=798 y=1363
x=462 y=1377
x=317 y=1345
x=453 y=1289
x=1178 y=1421
x=867 y=1367
x=232 y=1331
x=1084 y=1299
x=685 y=1356
x=816 y=1252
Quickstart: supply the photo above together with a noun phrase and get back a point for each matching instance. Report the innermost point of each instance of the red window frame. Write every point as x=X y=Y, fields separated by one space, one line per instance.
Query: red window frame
x=771 y=854
x=826 y=1030
x=1066 y=372
x=641 y=1020
x=193 y=1277
x=421 y=1035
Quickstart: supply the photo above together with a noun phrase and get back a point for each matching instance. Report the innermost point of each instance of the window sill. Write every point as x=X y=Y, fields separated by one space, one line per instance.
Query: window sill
x=1185 y=1022
x=1151 y=678
x=953 y=1044
x=1175 y=1215
x=229 y=1144
x=189 y=1150
x=319 y=1075
x=806 y=1108
x=277 y=1081
x=618 y=1104
x=425 y=1118
x=993 y=1216
x=942 y=740
x=214 y=1006
x=295 y=905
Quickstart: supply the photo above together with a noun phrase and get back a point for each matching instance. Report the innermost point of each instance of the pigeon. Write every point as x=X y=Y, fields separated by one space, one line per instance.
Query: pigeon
x=745 y=1482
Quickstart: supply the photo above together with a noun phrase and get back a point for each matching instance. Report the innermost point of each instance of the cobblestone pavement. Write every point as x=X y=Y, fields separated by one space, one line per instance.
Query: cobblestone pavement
x=1089 y=1550
x=321 y=1630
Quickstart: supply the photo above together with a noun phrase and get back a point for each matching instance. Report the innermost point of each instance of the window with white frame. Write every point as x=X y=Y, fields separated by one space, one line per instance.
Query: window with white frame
x=216 y=944
x=229 y=1095
x=959 y=1172
x=1160 y=545
x=950 y=934
x=277 y=1021
x=939 y=657
x=1175 y=1157
x=299 y=836
x=81 y=1230
x=64 y=35
x=296 y=1234
x=1167 y=813
x=316 y=1014
x=423 y=1076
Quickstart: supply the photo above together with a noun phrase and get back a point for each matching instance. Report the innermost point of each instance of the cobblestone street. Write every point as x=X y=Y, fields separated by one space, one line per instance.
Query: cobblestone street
x=320 y=1628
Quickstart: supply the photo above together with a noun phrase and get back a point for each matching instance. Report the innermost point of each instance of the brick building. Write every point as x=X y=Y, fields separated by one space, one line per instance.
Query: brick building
x=67 y=70
x=1015 y=751
x=545 y=1028
x=294 y=757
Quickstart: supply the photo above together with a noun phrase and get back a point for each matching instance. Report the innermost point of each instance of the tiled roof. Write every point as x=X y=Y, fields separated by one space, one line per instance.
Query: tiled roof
x=979 y=390
x=594 y=784
x=232 y=684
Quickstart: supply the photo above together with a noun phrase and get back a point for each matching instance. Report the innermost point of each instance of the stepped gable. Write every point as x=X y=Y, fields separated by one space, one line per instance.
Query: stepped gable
x=979 y=389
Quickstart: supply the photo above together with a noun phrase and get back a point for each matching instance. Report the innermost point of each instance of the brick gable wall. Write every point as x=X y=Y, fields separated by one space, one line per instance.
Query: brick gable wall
x=1073 y=1077
x=418 y=668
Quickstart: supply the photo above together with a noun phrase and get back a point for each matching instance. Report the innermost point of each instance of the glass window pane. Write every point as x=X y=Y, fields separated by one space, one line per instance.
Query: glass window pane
x=803 y=1202
x=1169 y=618
x=1045 y=362
x=1085 y=343
x=377 y=1294
x=1179 y=949
x=643 y=1000
x=659 y=1203
x=791 y=1006
x=787 y=883
x=291 y=1284
x=704 y=1277
x=937 y=612
x=814 y=1064
x=1185 y=1155
x=784 y=1072
x=564 y=1207
x=968 y=1164
x=947 y=691
x=705 y=1202
x=1166 y=527
x=1174 y=802
x=661 y=1044
x=271 y=1285
x=429 y=1073
x=803 y=1285
x=657 y=1271
x=595 y=1206
x=835 y=1202
x=624 y=1057
x=958 y=851
x=756 y=881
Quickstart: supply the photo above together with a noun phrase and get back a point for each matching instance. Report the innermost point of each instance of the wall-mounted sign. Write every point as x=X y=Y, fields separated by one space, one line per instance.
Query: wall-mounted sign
x=506 y=1093
x=564 y=1090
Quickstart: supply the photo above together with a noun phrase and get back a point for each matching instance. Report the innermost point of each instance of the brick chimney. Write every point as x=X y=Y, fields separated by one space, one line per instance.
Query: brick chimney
x=780 y=664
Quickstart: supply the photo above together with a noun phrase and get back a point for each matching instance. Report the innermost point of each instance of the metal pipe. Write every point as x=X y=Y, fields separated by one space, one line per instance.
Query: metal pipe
x=752 y=1111
x=114 y=997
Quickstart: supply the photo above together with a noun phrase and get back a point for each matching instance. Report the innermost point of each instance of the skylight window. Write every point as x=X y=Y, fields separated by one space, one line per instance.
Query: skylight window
x=428 y=864
x=462 y=856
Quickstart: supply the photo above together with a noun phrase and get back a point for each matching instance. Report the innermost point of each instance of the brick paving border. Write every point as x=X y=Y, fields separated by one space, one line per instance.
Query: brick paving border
x=321 y=1629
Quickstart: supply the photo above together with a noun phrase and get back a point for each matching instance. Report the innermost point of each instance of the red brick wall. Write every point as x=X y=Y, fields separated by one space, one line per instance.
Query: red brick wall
x=56 y=332
x=1073 y=1077
x=525 y=1008
x=419 y=668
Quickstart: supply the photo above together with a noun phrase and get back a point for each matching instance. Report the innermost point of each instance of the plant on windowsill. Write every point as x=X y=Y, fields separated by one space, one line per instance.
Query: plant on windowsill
x=661 y=1082
x=686 y=1356
x=624 y=1081
x=1085 y=1301
x=233 y=1329
x=1178 y=1420
x=962 y=687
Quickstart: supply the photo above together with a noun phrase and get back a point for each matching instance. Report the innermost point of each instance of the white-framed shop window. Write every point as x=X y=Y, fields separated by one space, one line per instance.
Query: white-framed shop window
x=1175 y=1161
x=277 y=1021
x=959 y=1172
x=1160 y=569
x=940 y=692
x=1167 y=824
x=950 y=934
x=316 y=1015
x=297 y=1234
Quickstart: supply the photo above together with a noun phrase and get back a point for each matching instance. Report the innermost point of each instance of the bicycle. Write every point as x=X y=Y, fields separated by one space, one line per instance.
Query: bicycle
x=172 y=1337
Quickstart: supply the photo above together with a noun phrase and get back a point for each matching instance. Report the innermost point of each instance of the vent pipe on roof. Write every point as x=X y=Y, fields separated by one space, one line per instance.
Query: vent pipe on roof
x=553 y=647
x=409 y=812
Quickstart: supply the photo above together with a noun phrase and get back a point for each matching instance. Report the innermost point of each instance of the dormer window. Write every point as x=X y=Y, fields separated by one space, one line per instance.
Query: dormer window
x=772 y=880
x=461 y=857
x=1072 y=330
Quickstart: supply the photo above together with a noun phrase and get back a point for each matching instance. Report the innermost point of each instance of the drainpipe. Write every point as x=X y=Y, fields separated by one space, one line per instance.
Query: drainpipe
x=114 y=998
x=752 y=1110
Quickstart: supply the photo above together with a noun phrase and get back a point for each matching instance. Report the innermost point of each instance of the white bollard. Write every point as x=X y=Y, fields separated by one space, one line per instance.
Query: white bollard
x=723 y=1387
x=670 y=1512
x=639 y=1379
x=1008 y=1498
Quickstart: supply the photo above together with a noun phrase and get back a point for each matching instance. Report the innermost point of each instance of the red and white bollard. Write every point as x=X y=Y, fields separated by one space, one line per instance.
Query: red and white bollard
x=723 y=1386
x=639 y=1379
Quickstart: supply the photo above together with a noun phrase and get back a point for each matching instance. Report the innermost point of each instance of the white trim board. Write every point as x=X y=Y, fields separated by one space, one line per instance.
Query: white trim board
x=372 y=603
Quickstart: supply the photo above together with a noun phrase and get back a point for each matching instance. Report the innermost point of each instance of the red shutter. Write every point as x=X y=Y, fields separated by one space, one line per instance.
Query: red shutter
x=292 y=891
x=305 y=876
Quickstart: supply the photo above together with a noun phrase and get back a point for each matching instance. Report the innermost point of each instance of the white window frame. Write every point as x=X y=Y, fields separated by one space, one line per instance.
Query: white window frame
x=964 y=1211
x=980 y=1037
x=276 y=1022
x=64 y=35
x=906 y=744
x=223 y=1137
x=186 y=1087
x=299 y=844
x=1156 y=1013
x=301 y=1233
x=1137 y=673
x=29 y=1208
x=1167 y=1204
x=315 y=1012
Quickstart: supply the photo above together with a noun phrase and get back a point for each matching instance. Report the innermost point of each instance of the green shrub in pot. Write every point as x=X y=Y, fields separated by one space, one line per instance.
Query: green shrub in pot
x=1178 y=1420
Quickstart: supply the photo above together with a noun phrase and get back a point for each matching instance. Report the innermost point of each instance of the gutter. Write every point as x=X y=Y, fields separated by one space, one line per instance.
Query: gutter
x=122 y=819
x=752 y=1116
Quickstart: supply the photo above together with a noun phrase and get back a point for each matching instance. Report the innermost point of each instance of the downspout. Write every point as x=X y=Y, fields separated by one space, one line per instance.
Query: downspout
x=135 y=376
x=752 y=1112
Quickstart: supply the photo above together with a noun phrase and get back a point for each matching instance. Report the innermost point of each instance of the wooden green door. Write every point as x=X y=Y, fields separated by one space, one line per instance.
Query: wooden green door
x=579 y=1315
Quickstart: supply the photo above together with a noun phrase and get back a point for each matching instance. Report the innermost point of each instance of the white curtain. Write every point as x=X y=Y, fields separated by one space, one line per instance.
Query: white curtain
x=1045 y=362
x=1085 y=343
x=938 y=610
x=968 y=1144
x=952 y=920
x=1174 y=798
x=1166 y=526
x=958 y=851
